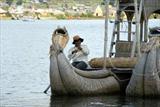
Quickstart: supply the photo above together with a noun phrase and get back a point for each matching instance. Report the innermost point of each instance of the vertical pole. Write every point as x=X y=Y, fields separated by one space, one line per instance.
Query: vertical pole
x=129 y=30
x=106 y=31
x=141 y=31
x=118 y=26
x=135 y=36
x=138 y=25
x=118 y=12
x=137 y=29
x=137 y=16
x=145 y=30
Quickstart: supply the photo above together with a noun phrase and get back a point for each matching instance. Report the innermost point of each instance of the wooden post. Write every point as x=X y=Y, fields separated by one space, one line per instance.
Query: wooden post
x=118 y=25
x=145 y=30
x=138 y=29
x=129 y=19
x=129 y=29
x=138 y=17
x=106 y=32
x=141 y=31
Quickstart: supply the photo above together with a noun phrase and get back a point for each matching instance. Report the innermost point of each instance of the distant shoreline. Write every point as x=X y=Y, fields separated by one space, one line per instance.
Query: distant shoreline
x=54 y=18
x=67 y=18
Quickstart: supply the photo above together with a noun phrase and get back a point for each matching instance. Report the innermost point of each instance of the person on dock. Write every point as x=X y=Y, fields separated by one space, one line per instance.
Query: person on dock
x=79 y=53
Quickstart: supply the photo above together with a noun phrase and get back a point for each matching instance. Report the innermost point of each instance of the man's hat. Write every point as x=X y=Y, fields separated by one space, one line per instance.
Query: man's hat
x=76 y=38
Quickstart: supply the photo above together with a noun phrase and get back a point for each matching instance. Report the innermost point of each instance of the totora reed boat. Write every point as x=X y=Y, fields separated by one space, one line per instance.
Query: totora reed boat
x=133 y=65
x=66 y=79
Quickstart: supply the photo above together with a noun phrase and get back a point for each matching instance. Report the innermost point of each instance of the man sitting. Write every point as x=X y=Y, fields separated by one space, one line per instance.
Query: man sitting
x=78 y=54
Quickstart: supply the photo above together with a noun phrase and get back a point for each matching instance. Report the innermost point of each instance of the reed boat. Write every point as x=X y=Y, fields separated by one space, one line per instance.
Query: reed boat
x=68 y=80
x=131 y=65
x=145 y=80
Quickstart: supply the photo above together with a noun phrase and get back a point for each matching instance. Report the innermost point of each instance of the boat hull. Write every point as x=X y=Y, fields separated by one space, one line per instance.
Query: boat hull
x=66 y=79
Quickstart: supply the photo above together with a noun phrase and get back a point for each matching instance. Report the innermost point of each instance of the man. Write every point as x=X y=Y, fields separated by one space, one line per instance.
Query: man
x=79 y=53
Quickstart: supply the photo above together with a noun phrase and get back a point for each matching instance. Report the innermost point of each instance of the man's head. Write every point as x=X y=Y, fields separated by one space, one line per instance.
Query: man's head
x=77 y=40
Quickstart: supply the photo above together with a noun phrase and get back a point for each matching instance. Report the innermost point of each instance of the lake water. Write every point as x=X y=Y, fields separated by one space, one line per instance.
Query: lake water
x=24 y=64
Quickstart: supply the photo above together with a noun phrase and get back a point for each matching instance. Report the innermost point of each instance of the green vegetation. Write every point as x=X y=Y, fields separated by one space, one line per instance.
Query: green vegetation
x=72 y=2
x=56 y=2
x=61 y=5
x=61 y=17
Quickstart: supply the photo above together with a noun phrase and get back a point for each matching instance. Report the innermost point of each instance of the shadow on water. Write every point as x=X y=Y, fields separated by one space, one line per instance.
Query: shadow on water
x=103 y=101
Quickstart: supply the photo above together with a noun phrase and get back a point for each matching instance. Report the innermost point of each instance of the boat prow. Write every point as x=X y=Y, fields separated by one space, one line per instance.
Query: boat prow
x=145 y=80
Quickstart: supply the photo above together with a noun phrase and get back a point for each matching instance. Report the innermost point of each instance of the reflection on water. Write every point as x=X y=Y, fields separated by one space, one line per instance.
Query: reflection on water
x=24 y=64
x=103 y=101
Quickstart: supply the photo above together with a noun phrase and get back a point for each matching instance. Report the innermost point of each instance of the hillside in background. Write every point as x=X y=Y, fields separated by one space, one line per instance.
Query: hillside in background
x=92 y=3
x=61 y=9
x=86 y=2
x=54 y=2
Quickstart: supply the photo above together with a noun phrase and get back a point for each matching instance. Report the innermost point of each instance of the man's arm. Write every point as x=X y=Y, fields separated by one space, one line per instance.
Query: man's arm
x=85 y=50
x=72 y=53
